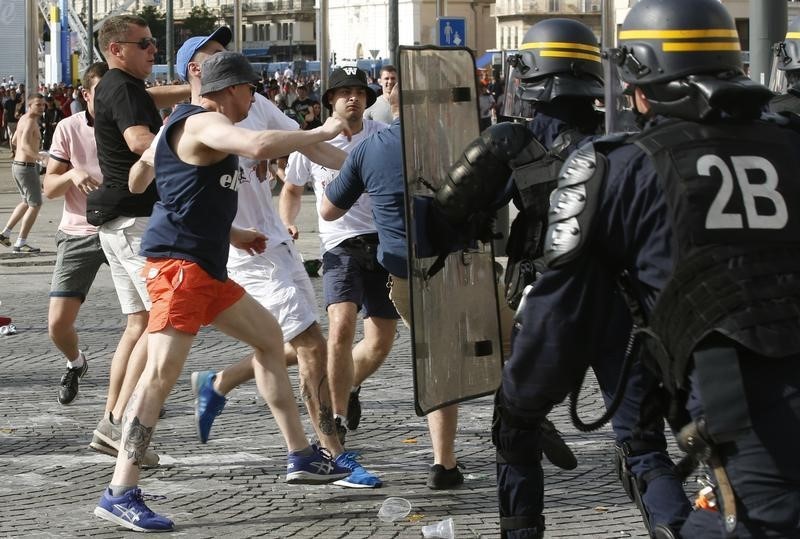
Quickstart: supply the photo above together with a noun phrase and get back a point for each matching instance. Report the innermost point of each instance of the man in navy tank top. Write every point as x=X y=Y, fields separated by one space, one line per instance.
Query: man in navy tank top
x=186 y=244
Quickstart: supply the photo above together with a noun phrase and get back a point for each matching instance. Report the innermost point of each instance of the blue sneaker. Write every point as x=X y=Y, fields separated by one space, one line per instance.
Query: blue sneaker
x=130 y=512
x=315 y=469
x=359 y=476
x=207 y=403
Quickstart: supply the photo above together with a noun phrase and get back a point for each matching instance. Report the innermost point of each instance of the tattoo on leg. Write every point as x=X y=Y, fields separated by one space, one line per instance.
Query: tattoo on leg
x=326 y=419
x=136 y=440
x=326 y=424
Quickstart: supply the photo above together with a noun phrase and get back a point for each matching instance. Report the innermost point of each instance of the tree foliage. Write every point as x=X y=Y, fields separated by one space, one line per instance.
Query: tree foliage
x=157 y=21
x=201 y=21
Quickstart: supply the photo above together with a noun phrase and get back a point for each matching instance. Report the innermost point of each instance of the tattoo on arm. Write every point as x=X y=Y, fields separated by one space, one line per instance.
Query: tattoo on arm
x=136 y=440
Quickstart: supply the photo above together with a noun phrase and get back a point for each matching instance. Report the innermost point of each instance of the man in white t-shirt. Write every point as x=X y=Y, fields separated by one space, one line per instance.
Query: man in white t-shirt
x=352 y=277
x=278 y=280
x=73 y=171
x=381 y=110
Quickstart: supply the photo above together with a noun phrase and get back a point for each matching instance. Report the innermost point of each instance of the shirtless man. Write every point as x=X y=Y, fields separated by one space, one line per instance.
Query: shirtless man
x=25 y=169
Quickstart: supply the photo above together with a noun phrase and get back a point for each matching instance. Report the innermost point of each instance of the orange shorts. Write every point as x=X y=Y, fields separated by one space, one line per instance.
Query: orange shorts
x=185 y=296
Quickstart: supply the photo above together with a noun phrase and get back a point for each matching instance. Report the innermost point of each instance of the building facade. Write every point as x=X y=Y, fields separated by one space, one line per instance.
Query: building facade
x=281 y=30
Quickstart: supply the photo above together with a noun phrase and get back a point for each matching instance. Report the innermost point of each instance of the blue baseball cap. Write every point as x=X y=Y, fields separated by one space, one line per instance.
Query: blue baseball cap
x=221 y=35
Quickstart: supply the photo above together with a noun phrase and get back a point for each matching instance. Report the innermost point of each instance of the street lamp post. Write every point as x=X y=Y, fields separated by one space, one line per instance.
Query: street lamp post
x=238 y=38
x=32 y=46
x=90 y=29
x=170 y=42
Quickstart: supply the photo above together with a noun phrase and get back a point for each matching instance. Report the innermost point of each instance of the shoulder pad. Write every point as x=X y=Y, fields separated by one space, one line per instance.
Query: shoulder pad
x=613 y=138
x=786 y=119
x=573 y=205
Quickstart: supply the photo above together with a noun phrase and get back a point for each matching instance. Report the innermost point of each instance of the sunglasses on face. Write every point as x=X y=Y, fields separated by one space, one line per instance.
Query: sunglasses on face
x=143 y=43
x=253 y=89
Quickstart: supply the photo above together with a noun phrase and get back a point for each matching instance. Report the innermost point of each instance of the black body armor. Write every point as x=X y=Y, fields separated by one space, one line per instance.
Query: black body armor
x=734 y=204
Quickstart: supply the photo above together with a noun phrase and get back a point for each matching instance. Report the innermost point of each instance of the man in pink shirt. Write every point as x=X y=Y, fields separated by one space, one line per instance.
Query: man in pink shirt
x=73 y=171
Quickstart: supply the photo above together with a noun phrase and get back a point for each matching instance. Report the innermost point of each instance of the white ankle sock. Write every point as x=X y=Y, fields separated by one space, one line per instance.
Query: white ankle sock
x=78 y=361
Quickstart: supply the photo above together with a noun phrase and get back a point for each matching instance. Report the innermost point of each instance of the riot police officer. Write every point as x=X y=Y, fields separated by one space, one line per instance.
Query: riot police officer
x=789 y=62
x=700 y=216
x=556 y=78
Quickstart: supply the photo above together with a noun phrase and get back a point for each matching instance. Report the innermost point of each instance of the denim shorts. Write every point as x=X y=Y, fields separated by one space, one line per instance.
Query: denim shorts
x=351 y=273
x=77 y=260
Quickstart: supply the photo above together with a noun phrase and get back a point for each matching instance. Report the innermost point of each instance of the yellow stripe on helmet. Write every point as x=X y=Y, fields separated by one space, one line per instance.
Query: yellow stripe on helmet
x=560 y=45
x=678 y=34
x=700 y=46
x=569 y=54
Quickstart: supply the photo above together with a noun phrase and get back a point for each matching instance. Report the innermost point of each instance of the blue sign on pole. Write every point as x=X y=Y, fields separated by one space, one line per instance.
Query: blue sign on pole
x=452 y=31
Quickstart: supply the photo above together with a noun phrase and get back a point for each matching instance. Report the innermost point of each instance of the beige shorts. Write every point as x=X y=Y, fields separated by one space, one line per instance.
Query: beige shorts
x=121 y=239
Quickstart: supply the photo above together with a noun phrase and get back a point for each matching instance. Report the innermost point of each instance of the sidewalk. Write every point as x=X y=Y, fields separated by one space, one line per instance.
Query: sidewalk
x=233 y=486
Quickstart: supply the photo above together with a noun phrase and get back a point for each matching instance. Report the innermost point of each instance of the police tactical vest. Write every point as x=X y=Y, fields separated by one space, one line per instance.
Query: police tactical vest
x=733 y=196
x=534 y=183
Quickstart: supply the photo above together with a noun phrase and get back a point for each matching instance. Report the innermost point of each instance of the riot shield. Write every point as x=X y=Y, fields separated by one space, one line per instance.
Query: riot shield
x=455 y=328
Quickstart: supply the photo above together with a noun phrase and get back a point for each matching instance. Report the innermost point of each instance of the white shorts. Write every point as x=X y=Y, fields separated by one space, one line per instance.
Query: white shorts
x=121 y=239
x=278 y=280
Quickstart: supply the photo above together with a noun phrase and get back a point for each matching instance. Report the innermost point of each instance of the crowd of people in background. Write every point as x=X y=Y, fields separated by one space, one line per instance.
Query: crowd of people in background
x=297 y=96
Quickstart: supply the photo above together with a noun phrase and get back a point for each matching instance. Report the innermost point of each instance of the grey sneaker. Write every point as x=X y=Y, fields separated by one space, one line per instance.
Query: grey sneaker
x=5 y=240
x=25 y=248
x=106 y=437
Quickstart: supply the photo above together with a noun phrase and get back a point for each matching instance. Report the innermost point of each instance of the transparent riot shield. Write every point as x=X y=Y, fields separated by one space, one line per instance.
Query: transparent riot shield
x=455 y=329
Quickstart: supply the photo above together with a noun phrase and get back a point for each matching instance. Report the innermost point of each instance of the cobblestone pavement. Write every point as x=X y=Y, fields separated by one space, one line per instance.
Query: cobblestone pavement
x=234 y=486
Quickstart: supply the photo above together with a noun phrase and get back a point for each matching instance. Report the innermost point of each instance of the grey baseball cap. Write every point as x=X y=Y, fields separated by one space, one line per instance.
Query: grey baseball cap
x=225 y=69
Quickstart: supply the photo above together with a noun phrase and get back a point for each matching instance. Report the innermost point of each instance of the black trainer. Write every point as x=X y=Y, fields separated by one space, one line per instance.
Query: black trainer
x=555 y=448
x=440 y=478
x=354 y=410
x=68 y=388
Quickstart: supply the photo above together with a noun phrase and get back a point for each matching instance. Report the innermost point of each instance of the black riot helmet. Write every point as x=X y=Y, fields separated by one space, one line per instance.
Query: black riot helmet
x=685 y=56
x=557 y=58
x=665 y=40
x=789 y=49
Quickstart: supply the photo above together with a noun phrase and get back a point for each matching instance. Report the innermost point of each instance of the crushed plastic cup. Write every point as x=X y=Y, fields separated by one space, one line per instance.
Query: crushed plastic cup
x=444 y=529
x=394 y=509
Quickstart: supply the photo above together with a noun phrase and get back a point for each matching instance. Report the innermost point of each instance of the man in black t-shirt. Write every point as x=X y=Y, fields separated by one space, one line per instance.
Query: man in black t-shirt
x=302 y=105
x=126 y=120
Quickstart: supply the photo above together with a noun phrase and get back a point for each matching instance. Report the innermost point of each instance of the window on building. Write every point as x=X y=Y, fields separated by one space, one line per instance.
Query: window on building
x=554 y=5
